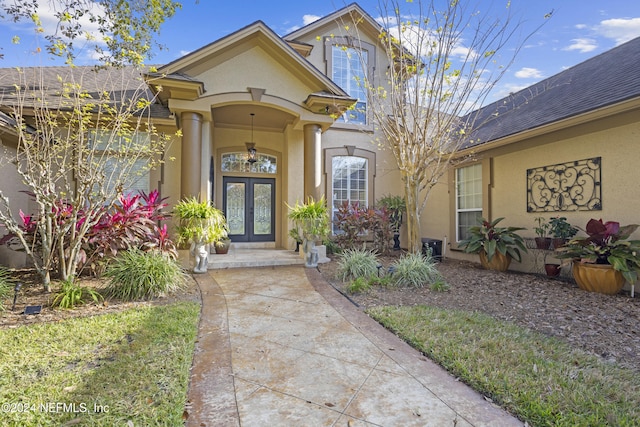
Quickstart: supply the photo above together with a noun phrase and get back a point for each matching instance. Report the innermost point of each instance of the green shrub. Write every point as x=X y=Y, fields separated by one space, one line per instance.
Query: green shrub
x=440 y=286
x=384 y=281
x=358 y=285
x=6 y=283
x=136 y=275
x=354 y=263
x=71 y=295
x=415 y=270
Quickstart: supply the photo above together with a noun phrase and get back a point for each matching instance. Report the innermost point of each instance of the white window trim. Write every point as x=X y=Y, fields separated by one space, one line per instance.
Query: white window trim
x=458 y=210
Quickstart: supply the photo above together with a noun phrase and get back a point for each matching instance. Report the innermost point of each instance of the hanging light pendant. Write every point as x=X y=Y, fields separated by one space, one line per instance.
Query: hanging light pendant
x=251 y=146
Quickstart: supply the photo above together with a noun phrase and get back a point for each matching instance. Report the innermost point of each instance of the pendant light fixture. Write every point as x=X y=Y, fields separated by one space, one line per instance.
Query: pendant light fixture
x=251 y=146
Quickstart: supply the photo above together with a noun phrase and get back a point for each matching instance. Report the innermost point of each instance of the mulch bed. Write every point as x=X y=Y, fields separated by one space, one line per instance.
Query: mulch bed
x=607 y=326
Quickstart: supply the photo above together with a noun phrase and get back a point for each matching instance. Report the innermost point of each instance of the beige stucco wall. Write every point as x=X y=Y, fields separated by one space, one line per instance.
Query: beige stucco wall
x=12 y=188
x=613 y=139
x=254 y=68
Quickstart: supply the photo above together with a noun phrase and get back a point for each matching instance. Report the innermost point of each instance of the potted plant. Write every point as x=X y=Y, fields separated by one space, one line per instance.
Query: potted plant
x=294 y=233
x=552 y=270
x=561 y=231
x=312 y=221
x=604 y=259
x=222 y=246
x=496 y=246
x=543 y=241
x=200 y=224
x=396 y=207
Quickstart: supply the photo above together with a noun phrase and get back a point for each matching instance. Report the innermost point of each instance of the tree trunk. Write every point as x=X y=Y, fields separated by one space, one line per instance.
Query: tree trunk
x=413 y=214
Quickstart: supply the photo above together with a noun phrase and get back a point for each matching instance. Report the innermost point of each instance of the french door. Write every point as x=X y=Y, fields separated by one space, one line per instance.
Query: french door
x=249 y=205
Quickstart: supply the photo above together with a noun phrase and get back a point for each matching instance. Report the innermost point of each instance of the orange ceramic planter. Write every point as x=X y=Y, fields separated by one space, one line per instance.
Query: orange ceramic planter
x=499 y=262
x=601 y=278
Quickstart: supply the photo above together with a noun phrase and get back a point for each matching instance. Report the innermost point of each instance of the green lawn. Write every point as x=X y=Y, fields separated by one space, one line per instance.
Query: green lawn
x=99 y=371
x=539 y=379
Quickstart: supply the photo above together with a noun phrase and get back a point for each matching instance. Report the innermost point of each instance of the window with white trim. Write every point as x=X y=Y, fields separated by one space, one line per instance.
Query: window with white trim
x=348 y=69
x=468 y=199
x=349 y=182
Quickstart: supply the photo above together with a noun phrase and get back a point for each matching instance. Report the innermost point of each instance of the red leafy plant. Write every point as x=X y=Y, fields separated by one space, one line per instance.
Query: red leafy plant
x=606 y=243
x=357 y=223
x=132 y=222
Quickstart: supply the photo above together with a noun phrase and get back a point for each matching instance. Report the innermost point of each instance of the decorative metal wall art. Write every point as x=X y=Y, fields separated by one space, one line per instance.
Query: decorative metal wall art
x=571 y=186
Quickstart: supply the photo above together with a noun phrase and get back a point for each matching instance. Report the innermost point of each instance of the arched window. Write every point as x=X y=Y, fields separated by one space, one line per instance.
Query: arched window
x=237 y=162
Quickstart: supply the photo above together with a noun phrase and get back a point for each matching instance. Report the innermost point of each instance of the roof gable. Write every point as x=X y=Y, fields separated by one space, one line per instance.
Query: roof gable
x=257 y=34
x=604 y=80
x=352 y=12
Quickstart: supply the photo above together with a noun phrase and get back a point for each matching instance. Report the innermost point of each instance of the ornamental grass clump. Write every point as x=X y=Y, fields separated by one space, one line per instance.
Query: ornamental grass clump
x=415 y=270
x=355 y=263
x=136 y=275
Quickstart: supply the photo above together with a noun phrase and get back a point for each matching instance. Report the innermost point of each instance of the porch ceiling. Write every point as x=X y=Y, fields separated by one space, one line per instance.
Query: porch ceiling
x=238 y=117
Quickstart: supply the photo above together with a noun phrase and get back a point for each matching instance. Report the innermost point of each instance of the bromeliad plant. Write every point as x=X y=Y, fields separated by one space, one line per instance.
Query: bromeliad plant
x=606 y=243
x=490 y=238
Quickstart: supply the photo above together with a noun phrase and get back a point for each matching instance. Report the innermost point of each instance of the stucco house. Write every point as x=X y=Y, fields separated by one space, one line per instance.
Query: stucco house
x=287 y=98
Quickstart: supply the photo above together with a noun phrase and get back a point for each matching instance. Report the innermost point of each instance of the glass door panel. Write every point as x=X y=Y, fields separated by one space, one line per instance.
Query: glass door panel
x=262 y=212
x=249 y=204
x=235 y=202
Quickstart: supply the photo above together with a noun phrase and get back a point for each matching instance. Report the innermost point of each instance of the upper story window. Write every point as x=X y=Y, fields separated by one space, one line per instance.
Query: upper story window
x=349 y=73
x=349 y=63
x=237 y=162
x=468 y=199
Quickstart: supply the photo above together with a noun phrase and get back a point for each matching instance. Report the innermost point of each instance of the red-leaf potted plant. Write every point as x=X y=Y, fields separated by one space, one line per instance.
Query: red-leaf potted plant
x=604 y=259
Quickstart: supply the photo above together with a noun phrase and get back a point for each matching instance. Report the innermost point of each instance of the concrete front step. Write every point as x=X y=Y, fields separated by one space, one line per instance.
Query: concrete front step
x=239 y=257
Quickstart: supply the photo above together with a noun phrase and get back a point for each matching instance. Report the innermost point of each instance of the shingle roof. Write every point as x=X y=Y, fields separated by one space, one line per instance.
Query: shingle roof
x=125 y=83
x=606 y=79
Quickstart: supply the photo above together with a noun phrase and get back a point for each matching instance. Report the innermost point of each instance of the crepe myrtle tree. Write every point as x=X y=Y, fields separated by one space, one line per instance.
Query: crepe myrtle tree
x=122 y=32
x=445 y=58
x=77 y=151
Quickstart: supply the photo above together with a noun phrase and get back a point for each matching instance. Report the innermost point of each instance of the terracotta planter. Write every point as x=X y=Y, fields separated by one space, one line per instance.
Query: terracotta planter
x=499 y=262
x=222 y=247
x=601 y=278
x=558 y=243
x=553 y=270
x=543 y=242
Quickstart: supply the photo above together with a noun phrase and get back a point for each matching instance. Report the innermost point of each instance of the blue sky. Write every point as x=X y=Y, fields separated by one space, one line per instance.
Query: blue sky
x=578 y=30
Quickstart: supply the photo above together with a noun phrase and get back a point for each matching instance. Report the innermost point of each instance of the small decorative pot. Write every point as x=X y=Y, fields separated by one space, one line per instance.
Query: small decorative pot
x=553 y=270
x=558 y=242
x=601 y=278
x=543 y=242
x=222 y=247
x=499 y=262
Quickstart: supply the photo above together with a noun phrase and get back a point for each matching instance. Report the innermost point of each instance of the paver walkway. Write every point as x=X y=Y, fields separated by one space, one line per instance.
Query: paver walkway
x=278 y=346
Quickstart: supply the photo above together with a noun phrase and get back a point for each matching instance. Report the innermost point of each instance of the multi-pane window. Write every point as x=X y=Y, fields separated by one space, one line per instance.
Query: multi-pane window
x=468 y=199
x=123 y=160
x=348 y=71
x=349 y=182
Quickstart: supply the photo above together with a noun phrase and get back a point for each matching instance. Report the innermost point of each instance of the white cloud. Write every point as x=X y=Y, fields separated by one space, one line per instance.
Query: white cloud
x=582 y=45
x=528 y=73
x=620 y=30
x=308 y=19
